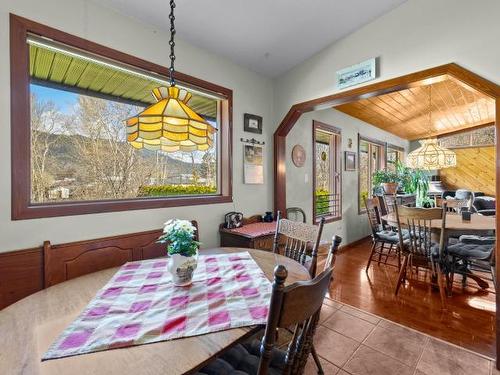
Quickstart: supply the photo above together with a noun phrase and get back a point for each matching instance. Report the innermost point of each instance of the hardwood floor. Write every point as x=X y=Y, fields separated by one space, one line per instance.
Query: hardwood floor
x=469 y=320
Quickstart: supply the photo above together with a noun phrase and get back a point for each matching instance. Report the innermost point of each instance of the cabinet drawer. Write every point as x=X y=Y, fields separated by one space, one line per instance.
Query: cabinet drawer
x=263 y=243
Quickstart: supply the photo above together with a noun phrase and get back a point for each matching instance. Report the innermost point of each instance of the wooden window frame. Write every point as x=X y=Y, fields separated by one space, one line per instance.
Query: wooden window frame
x=393 y=147
x=337 y=166
x=22 y=207
x=383 y=164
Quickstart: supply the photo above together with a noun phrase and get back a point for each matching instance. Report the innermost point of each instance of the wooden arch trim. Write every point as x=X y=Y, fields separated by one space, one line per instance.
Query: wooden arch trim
x=421 y=78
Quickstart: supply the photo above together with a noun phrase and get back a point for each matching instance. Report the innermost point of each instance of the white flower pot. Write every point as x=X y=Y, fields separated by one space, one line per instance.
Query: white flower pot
x=182 y=268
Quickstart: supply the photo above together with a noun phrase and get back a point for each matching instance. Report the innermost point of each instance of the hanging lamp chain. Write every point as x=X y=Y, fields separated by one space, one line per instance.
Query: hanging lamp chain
x=430 y=110
x=172 y=43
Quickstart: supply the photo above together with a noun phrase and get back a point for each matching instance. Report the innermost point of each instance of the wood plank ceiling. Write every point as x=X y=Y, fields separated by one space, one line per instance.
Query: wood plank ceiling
x=455 y=106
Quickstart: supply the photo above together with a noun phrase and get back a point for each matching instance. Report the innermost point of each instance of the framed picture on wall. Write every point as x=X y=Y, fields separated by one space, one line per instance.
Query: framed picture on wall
x=252 y=123
x=350 y=160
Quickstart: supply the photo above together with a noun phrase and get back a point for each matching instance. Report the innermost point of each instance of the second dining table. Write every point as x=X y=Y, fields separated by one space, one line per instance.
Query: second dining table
x=455 y=226
x=32 y=324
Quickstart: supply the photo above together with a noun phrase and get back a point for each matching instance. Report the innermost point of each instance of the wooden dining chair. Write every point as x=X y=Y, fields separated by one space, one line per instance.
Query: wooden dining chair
x=472 y=253
x=296 y=214
x=419 y=248
x=457 y=205
x=298 y=241
x=384 y=240
x=297 y=305
x=390 y=201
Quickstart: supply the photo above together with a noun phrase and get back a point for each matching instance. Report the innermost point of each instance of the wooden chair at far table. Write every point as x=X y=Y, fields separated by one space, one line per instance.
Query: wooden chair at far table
x=298 y=306
x=419 y=248
x=385 y=240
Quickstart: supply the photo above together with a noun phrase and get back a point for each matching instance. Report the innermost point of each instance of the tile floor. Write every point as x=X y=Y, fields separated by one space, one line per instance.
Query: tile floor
x=351 y=341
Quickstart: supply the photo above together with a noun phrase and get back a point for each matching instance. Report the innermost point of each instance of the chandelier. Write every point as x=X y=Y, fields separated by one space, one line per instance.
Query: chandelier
x=430 y=155
x=170 y=125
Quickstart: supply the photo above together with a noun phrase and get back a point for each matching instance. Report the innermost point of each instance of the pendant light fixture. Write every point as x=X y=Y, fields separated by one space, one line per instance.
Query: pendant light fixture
x=430 y=155
x=170 y=125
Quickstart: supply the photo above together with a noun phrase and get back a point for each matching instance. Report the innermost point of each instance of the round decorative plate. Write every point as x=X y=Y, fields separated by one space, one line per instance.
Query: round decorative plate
x=298 y=156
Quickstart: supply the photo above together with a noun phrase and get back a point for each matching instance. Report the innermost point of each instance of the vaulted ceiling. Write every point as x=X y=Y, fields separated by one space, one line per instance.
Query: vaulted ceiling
x=267 y=36
x=454 y=106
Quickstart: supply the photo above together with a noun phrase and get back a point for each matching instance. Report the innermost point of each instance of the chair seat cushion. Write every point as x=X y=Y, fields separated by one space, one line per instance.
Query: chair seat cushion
x=471 y=251
x=243 y=359
x=391 y=236
x=485 y=203
x=477 y=240
x=489 y=212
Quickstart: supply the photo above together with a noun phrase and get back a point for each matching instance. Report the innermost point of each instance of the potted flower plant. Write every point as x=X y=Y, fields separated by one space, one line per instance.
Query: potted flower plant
x=182 y=250
x=415 y=181
x=389 y=181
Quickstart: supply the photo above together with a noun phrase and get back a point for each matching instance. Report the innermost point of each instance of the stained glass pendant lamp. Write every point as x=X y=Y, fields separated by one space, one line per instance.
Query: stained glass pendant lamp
x=170 y=125
x=430 y=155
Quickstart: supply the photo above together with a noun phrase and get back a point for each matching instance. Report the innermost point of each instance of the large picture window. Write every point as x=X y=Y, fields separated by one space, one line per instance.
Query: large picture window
x=77 y=96
x=327 y=189
x=370 y=159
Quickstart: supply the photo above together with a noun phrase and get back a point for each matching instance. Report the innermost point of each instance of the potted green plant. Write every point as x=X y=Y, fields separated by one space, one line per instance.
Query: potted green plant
x=182 y=250
x=389 y=181
x=414 y=181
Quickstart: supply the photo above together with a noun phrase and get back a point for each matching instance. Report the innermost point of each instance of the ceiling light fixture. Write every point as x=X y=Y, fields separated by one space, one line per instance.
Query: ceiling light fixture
x=170 y=125
x=430 y=155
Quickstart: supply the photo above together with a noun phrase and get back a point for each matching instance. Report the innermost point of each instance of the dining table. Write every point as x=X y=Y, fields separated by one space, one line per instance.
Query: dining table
x=31 y=325
x=455 y=226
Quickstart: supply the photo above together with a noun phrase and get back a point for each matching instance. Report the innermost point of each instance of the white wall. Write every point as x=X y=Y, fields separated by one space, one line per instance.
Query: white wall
x=417 y=35
x=252 y=94
x=299 y=188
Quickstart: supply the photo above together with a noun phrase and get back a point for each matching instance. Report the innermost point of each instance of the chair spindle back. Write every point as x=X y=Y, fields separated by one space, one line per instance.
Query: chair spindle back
x=418 y=222
x=373 y=211
x=297 y=240
x=457 y=205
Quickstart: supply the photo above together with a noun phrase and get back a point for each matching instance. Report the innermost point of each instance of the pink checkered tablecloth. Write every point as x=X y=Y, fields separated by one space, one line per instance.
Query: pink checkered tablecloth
x=140 y=305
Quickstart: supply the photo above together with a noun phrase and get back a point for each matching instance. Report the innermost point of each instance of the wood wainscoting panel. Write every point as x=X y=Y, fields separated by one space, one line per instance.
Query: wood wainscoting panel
x=24 y=272
x=475 y=170
x=21 y=274
x=67 y=261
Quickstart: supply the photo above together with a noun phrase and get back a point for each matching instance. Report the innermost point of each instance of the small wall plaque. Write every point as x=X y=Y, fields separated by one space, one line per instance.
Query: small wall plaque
x=350 y=160
x=298 y=156
x=356 y=74
x=252 y=123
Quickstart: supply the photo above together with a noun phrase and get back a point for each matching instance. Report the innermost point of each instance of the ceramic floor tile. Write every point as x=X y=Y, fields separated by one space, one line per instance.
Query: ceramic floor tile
x=333 y=346
x=367 y=361
x=328 y=368
x=361 y=314
x=494 y=370
x=394 y=326
x=349 y=325
x=326 y=312
x=332 y=303
x=441 y=358
x=404 y=345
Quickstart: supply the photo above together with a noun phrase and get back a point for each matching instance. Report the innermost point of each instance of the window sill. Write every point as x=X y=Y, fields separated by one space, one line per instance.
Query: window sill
x=328 y=219
x=35 y=211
